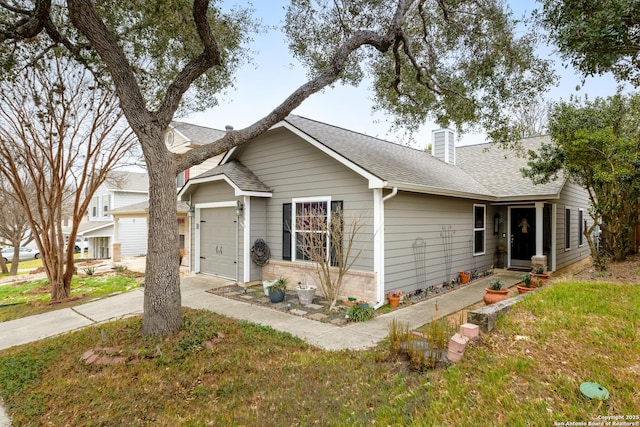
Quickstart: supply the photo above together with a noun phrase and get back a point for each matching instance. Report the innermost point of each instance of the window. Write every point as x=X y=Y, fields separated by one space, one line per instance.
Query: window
x=306 y=222
x=182 y=178
x=567 y=228
x=580 y=227
x=310 y=226
x=105 y=205
x=94 y=207
x=479 y=229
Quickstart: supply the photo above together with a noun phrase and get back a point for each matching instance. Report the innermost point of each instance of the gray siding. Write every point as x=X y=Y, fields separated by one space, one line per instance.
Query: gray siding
x=575 y=198
x=409 y=217
x=258 y=231
x=295 y=169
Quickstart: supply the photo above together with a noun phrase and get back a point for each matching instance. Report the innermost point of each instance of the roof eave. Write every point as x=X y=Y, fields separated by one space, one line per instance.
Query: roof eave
x=194 y=183
x=438 y=191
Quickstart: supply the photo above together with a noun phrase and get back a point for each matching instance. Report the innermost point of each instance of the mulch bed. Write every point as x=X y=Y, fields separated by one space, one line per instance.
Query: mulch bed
x=255 y=295
x=319 y=310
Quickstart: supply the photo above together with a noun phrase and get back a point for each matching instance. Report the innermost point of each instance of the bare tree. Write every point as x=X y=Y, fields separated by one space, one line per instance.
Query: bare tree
x=322 y=238
x=531 y=117
x=59 y=137
x=14 y=226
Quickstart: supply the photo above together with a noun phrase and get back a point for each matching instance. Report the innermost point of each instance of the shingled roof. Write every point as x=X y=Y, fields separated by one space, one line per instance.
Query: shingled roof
x=198 y=135
x=398 y=165
x=126 y=181
x=499 y=170
x=481 y=171
x=236 y=173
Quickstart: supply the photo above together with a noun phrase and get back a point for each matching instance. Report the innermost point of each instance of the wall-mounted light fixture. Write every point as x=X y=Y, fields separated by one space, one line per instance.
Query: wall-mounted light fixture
x=497 y=219
x=239 y=208
x=192 y=211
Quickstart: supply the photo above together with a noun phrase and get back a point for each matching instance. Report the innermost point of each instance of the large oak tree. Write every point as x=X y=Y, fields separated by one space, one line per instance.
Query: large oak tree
x=458 y=62
x=595 y=36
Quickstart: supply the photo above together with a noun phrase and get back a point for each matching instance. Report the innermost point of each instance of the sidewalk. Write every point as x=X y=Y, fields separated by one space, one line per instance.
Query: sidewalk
x=324 y=335
x=355 y=336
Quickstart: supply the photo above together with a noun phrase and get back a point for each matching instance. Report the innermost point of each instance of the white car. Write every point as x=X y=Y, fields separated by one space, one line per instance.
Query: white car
x=25 y=254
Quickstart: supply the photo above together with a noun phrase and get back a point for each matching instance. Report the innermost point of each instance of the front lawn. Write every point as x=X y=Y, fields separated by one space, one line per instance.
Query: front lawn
x=218 y=371
x=32 y=297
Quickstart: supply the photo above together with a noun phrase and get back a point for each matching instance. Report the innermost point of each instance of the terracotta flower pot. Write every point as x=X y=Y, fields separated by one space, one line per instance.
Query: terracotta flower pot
x=523 y=289
x=540 y=278
x=394 y=299
x=492 y=297
x=464 y=277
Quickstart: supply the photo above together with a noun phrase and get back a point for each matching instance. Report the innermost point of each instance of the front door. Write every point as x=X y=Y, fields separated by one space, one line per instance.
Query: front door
x=523 y=236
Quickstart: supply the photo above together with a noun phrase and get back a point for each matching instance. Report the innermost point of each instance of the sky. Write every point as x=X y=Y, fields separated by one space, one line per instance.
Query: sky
x=274 y=74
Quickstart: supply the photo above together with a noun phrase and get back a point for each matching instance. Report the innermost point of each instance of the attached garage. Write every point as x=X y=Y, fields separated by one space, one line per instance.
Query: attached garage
x=218 y=244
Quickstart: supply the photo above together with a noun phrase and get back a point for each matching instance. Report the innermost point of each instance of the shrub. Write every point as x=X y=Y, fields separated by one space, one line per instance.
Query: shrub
x=361 y=313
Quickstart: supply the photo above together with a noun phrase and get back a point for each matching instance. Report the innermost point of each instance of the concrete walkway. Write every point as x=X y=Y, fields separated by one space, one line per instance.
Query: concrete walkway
x=355 y=336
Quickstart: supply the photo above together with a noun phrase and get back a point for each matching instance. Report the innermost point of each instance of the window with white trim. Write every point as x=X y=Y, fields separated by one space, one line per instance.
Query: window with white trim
x=311 y=220
x=308 y=221
x=94 y=207
x=479 y=229
x=182 y=178
x=106 y=205
x=567 y=228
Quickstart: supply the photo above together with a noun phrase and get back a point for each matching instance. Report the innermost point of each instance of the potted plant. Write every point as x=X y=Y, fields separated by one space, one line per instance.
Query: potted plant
x=464 y=276
x=305 y=293
x=495 y=292
x=266 y=284
x=394 y=298
x=527 y=284
x=350 y=301
x=540 y=277
x=276 y=291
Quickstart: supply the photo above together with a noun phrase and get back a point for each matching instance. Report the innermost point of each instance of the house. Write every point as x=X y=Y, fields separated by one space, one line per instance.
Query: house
x=121 y=188
x=426 y=215
x=180 y=138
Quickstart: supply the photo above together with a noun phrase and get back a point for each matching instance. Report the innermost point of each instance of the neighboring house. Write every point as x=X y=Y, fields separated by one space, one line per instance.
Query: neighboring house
x=425 y=217
x=121 y=188
x=140 y=212
x=180 y=138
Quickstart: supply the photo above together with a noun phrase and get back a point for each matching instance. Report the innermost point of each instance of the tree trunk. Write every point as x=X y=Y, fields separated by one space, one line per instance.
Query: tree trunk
x=162 y=299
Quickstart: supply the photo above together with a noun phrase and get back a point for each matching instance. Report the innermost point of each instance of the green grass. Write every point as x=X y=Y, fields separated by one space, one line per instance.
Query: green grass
x=527 y=372
x=31 y=264
x=28 y=298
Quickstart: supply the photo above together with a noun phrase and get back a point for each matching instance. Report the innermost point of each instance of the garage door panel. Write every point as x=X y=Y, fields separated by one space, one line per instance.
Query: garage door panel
x=218 y=242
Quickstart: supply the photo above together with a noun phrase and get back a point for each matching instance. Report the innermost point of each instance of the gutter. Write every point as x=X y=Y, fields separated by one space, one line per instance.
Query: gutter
x=393 y=193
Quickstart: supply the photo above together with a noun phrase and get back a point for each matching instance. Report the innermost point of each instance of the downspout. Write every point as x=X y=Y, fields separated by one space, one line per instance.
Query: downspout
x=380 y=245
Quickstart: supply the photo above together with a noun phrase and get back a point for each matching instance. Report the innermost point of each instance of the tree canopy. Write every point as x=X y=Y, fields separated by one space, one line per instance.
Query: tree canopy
x=597 y=143
x=459 y=62
x=594 y=36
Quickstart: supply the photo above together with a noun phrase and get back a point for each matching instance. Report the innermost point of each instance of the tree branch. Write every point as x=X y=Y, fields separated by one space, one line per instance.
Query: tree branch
x=29 y=26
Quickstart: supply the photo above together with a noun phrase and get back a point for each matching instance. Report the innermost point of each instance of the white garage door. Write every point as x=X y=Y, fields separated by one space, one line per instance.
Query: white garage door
x=218 y=242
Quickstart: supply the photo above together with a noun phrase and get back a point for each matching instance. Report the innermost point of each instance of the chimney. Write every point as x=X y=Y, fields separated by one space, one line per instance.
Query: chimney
x=443 y=146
